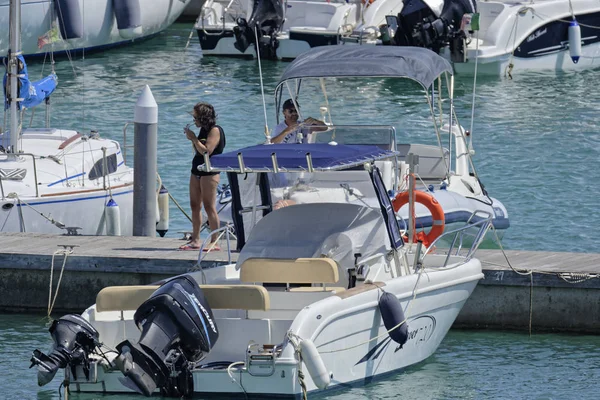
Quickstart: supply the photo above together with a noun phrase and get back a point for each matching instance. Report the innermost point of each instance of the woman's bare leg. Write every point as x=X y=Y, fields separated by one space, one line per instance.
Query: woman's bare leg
x=196 y=206
x=209 y=199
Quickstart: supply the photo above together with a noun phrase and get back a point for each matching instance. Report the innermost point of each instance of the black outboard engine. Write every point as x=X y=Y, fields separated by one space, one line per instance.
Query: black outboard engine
x=267 y=17
x=418 y=25
x=74 y=339
x=178 y=330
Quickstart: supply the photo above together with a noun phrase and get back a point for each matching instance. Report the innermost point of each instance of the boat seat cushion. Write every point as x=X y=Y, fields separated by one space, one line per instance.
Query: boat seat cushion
x=299 y=270
x=334 y=289
x=230 y=297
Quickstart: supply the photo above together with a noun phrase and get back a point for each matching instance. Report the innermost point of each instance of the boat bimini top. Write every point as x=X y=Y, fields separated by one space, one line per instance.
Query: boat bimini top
x=297 y=158
x=419 y=64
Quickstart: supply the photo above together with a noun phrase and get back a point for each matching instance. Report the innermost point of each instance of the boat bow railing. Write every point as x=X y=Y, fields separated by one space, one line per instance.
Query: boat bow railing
x=475 y=229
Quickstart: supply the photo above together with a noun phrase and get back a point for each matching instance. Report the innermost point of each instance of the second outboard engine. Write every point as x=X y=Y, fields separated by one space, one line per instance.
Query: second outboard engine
x=267 y=17
x=178 y=329
x=74 y=339
x=422 y=24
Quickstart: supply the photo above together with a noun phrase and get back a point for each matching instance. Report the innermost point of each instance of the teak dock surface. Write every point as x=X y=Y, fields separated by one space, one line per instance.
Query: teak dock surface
x=543 y=291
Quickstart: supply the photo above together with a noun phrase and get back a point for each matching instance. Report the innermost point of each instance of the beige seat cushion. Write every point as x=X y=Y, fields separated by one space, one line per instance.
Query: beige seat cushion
x=299 y=270
x=335 y=289
x=232 y=297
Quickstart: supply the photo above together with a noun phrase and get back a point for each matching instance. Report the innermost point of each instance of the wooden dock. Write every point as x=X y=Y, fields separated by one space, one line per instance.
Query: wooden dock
x=541 y=291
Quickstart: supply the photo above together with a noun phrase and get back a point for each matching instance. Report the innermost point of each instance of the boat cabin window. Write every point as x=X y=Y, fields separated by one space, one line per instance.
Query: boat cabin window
x=97 y=170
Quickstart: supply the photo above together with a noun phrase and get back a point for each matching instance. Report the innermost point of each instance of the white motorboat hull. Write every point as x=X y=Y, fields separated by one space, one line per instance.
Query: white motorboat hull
x=346 y=328
x=517 y=37
x=99 y=26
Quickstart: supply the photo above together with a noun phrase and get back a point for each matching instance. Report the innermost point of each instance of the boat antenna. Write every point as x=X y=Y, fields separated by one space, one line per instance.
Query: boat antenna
x=262 y=88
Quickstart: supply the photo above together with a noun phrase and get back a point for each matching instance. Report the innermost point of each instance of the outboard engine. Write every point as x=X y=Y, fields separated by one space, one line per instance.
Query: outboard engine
x=178 y=330
x=267 y=17
x=421 y=24
x=74 y=339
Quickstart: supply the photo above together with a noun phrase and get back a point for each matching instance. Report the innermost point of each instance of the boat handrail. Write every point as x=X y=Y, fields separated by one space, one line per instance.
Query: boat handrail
x=480 y=226
x=208 y=6
x=227 y=230
x=125 y=146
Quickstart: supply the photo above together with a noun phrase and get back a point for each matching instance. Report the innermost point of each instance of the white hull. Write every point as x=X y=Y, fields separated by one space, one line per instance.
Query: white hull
x=532 y=37
x=439 y=300
x=98 y=22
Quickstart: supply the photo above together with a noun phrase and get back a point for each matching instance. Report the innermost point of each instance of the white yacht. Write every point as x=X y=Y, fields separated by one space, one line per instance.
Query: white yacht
x=498 y=37
x=284 y=30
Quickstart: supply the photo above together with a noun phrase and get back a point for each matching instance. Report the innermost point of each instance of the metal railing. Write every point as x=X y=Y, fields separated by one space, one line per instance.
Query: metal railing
x=474 y=230
x=125 y=146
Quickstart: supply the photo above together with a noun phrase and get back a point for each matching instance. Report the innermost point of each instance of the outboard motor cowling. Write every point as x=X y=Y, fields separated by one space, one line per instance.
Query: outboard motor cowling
x=74 y=339
x=178 y=329
x=419 y=25
x=267 y=18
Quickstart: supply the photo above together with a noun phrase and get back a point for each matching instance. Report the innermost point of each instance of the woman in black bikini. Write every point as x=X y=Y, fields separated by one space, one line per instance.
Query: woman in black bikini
x=203 y=185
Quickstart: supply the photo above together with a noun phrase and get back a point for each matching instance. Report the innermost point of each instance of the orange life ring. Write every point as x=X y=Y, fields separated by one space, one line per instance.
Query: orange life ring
x=434 y=208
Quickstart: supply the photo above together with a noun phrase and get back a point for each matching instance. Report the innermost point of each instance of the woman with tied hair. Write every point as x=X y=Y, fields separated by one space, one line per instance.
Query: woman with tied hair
x=203 y=185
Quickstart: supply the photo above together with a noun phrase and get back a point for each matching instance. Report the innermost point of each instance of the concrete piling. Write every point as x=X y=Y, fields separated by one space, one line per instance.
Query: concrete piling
x=144 y=164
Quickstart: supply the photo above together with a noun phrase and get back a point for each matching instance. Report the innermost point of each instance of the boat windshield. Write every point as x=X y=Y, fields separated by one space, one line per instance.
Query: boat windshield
x=382 y=136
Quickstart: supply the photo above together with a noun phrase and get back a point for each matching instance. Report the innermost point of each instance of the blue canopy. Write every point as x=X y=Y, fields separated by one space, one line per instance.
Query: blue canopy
x=32 y=93
x=293 y=157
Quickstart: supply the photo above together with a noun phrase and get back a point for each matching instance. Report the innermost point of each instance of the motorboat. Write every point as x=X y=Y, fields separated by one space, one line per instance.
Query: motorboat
x=324 y=294
x=499 y=37
x=65 y=26
x=283 y=31
x=56 y=180
x=449 y=188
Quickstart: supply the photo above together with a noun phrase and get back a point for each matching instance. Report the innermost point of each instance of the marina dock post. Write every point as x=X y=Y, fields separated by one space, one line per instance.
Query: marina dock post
x=144 y=163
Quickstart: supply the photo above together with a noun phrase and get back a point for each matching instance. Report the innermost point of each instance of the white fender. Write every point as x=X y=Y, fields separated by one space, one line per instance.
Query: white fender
x=314 y=364
x=162 y=225
x=113 y=218
x=574 y=41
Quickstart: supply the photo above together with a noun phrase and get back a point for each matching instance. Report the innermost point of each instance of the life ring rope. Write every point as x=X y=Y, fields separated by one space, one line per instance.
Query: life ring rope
x=434 y=207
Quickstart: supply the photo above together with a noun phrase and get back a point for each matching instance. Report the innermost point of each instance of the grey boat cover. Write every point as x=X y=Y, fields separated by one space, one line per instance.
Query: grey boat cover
x=416 y=63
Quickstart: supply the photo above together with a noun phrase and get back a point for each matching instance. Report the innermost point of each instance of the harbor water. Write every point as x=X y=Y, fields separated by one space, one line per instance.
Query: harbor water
x=537 y=147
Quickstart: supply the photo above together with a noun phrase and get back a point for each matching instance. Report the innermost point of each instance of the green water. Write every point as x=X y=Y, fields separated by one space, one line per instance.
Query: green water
x=537 y=146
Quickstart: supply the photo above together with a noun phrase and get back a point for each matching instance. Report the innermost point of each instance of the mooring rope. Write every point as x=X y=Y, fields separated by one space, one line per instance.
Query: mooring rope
x=66 y=251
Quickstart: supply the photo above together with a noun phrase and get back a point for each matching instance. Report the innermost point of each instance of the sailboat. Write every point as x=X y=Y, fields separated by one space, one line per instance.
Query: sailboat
x=56 y=180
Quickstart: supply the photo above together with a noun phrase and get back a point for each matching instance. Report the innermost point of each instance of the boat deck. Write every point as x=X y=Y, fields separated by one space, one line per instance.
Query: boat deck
x=549 y=291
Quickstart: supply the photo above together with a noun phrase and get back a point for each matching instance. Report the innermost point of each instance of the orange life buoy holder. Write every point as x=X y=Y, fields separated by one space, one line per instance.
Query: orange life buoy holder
x=434 y=207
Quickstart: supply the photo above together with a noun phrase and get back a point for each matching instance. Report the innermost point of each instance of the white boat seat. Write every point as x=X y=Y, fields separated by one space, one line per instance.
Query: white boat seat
x=298 y=270
x=431 y=160
x=230 y=297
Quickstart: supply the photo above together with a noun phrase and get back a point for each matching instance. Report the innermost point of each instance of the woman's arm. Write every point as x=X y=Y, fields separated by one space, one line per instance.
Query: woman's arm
x=212 y=141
